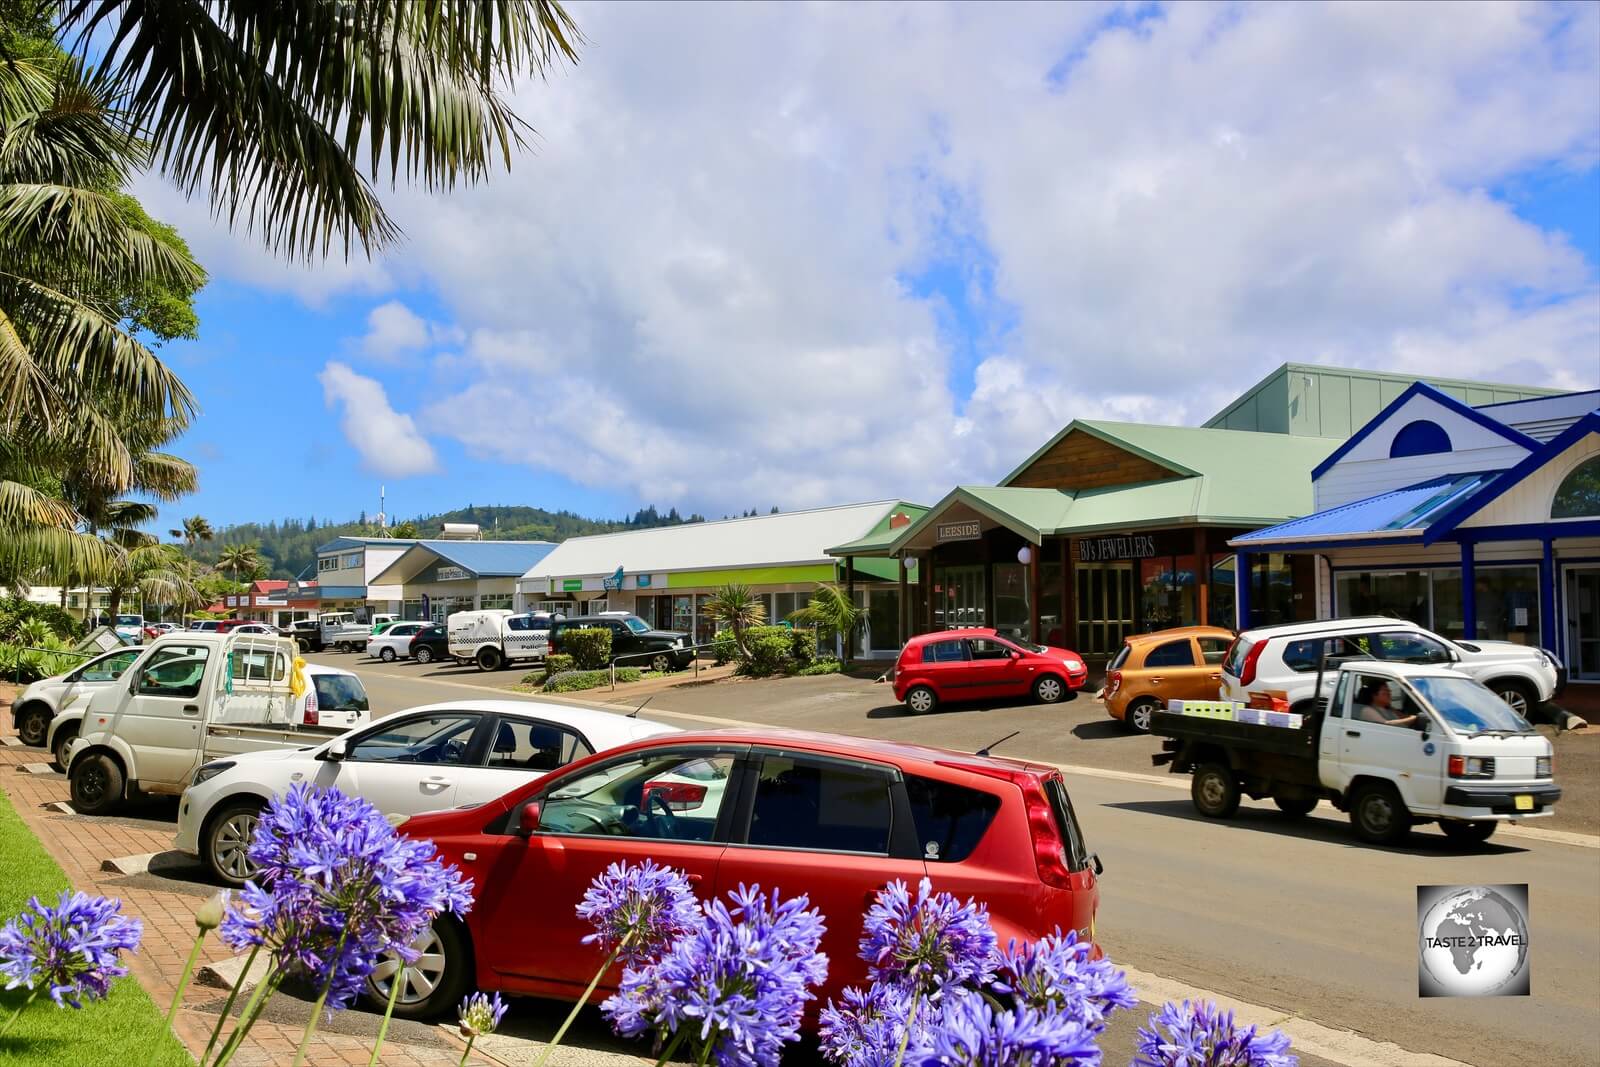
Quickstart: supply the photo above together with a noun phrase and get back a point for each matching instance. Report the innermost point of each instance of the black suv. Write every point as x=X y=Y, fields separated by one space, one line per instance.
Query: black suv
x=430 y=645
x=631 y=639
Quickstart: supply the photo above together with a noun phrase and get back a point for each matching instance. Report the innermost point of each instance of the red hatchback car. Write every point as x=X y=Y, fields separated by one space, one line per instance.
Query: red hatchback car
x=979 y=664
x=833 y=817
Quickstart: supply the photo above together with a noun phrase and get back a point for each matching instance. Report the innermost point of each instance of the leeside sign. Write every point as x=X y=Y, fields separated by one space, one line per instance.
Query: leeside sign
x=959 y=531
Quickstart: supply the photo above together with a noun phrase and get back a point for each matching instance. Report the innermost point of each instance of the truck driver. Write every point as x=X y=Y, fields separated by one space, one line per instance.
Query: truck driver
x=1375 y=700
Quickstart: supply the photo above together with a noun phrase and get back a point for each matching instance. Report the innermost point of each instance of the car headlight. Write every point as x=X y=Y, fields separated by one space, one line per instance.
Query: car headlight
x=210 y=771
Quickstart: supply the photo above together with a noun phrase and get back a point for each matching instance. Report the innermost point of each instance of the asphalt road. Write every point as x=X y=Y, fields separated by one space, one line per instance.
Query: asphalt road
x=1295 y=916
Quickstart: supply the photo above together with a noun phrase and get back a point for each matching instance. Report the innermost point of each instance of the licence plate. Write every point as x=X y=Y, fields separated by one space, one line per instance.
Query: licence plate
x=1524 y=803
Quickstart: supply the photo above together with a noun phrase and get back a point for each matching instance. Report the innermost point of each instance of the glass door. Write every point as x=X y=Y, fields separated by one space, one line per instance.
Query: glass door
x=1583 y=622
x=1105 y=607
x=960 y=598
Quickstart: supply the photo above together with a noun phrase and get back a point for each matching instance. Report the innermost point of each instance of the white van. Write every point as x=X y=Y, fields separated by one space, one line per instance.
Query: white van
x=1284 y=660
x=496 y=637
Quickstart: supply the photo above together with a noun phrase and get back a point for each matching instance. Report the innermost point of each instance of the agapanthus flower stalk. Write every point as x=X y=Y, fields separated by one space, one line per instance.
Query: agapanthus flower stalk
x=1056 y=974
x=1202 y=1035
x=478 y=1015
x=71 y=950
x=637 y=911
x=207 y=917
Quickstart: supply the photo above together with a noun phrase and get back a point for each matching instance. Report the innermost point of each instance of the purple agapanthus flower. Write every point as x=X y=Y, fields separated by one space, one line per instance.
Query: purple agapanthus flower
x=638 y=910
x=972 y=1032
x=1056 y=973
x=1202 y=1035
x=927 y=944
x=480 y=1015
x=737 y=985
x=864 y=1028
x=339 y=890
x=71 y=949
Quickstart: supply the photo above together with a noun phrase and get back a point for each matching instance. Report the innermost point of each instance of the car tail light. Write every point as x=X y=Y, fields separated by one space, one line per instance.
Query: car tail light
x=1544 y=767
x=1471 y=766
x=1049 y=850
x=1113 y=683
x=313 y=717
x=679 y=796
x=1247 y=673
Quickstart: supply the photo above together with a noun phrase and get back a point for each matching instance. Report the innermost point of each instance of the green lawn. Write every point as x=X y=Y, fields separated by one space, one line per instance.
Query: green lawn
x=124 y=1028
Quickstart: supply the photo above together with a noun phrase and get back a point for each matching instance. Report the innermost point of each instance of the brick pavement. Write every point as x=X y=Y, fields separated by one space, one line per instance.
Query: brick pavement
x=80 y=844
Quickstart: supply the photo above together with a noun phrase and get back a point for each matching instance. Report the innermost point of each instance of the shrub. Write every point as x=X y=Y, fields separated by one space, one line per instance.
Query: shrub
x=555 y=663
x=22 y=664
x=575 y=681
x=589 y=647
x=771 y=651
x=803 y=647
x=827 y=666
x=724 y=647
x=15 y=613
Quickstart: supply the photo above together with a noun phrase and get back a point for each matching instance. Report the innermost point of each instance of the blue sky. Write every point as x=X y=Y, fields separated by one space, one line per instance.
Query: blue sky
x=901 y=250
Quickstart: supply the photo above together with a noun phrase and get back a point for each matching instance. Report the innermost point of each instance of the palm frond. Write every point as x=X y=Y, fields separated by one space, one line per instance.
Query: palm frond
x=69 y=232
x=56 y=552
x=23 y=505
x=163 y=476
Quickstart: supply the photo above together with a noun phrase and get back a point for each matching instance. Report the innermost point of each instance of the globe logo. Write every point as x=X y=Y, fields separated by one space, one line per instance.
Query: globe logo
x=1474 y=941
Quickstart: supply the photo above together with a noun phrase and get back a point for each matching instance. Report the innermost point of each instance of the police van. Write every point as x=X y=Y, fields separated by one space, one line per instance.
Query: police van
x=495 y=638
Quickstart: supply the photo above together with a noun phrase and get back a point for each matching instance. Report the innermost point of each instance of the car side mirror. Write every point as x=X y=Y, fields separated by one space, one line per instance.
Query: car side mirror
x=528 y=819
x=1426 y=728
x=338 y=750
x=1014 y=654
x=1095 y=865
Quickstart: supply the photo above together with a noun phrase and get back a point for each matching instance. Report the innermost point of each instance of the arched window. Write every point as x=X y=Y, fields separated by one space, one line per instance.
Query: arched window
x=1578 y=496
x=1420 y=438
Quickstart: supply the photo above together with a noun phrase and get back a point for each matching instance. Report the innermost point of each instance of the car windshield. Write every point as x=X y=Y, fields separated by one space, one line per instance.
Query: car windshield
x=339 y=692
x=130 y=620
x=636 y=624
x=1469 y=707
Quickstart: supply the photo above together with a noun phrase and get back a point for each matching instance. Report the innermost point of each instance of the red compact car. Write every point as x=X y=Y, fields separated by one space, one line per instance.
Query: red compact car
x=833 y=817
x=979 y=664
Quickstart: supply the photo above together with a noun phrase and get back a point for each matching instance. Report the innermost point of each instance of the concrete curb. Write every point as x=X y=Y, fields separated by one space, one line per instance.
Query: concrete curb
x=12 y=742
x=36 y=768
x=223 y=973
x=129 y=865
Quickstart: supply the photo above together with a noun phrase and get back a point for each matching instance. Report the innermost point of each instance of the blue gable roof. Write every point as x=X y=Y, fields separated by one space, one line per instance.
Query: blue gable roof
x=491 y=559
x=1400 y=514
x=1464 y=410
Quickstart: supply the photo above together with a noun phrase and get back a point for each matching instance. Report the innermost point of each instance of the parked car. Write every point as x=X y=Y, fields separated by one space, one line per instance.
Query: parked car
x=422 y=759
x=632 y=641
x=394 y=642
x=39 y=703
x=976 y=663
x=430 y=644
x=340 y=630
x=831 y=816
x=497 y=637
x=247 y=626
x=1283 y=660
x=206 y=626
x=129 y=627
x=305 y=633
x=1400 y=744
x=1184 y=663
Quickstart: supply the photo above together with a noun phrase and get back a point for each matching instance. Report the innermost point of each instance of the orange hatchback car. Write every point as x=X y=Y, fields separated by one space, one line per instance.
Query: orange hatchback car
x=1180 y=664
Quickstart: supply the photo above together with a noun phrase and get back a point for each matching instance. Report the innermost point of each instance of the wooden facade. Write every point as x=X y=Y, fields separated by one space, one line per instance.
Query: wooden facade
x=1080 y=460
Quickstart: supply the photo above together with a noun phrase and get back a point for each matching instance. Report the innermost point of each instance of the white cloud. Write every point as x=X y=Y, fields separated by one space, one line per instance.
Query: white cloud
x=387 y=441
x=694 y=288
x=394 y=329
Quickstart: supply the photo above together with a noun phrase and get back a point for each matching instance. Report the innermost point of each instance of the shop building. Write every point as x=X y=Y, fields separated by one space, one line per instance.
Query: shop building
x=347 y=569
x=1116 y=528
x=666 y=574
x=1478 y=522
x=435 y=579
x=271 y=600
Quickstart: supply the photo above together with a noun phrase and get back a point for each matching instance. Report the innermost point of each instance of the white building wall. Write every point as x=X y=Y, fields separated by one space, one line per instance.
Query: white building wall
x=1351 y=480
x=1531 y=499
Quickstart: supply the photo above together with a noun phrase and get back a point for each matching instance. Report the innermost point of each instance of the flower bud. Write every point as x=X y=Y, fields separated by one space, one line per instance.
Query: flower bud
x=209 y=915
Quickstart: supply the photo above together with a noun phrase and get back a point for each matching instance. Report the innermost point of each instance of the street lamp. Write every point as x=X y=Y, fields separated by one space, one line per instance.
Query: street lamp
x=1025 y=555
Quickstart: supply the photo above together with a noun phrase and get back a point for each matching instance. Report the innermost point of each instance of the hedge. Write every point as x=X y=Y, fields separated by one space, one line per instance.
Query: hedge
x=15 y=613
x=589 y=647
x=556 y=662
x=724 y=648
x=574 y=681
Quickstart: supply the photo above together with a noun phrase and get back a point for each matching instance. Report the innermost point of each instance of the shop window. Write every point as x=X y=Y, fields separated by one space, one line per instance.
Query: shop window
x=1013 y=616
x=1052 y=584
x=1508 y=604
x=492 y=601
x=1420 y=438
x=1578 y=495
x=327 y=563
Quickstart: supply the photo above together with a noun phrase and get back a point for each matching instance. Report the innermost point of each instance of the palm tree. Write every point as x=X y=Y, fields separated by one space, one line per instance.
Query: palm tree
x=196 y=528
x=831 y=611
x=407 y=529
x=239 y=559
x=286 y=111
x=739 y=607
x=156 y=574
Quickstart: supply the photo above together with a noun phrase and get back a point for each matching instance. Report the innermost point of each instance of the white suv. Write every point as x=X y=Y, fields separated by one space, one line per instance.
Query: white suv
x=1283 y=660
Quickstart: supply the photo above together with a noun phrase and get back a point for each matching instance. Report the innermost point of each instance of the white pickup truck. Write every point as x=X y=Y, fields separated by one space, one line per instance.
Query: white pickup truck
x=1398 y=744
x=340 y=630
x=496 y=637
x=189 y=699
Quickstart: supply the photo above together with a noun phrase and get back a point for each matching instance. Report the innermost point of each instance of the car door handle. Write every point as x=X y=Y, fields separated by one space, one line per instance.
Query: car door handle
x=191 y=709
x=696 y=879
x=1156 y=679
x=435 y=781
x=1352 y=733
x=870 y=897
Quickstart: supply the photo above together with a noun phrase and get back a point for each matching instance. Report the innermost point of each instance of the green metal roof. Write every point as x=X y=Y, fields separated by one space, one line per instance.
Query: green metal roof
x=880 y=536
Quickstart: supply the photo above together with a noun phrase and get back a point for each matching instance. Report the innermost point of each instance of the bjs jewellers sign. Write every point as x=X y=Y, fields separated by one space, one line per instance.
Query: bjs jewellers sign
x=1122 y=546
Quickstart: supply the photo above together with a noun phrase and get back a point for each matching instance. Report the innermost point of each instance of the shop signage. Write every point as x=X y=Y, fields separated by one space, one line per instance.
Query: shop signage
x=642 y=581
x=959 y=531
x=613 y=582
x=271 y=602
x=451 y=574
x=1122 y=546
x=572 y=585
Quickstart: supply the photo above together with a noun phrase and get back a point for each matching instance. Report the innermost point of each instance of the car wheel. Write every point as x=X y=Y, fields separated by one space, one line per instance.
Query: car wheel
x=1138 y=714
x=1049 y=689
x=302 y=644
x=431 y=985
x=96 y=784
x=1214 y=790
x=661 y=663
x=488 y=659
x=921 y=699
x=423 y=654
x=386 y=654
x=1518 y=695
x=1461 y=832
x=33 y=725
x=228 y=841
x=59 y=750
x=1378 y=815
x=1296 y=807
